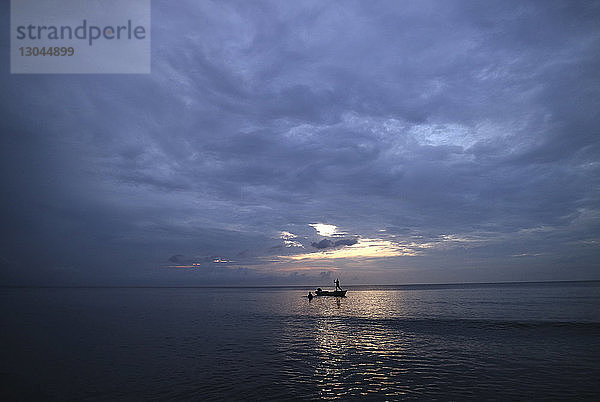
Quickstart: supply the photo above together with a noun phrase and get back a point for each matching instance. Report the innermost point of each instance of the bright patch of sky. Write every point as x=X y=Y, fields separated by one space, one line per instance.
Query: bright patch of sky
x=324 y=229
x=364 y=248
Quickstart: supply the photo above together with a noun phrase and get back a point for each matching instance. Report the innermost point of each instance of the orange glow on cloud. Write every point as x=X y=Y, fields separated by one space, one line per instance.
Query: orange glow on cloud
x=364 y=248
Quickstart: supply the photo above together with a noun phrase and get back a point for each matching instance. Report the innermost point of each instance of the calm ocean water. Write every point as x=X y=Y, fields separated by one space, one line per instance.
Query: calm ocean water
x=511 y=341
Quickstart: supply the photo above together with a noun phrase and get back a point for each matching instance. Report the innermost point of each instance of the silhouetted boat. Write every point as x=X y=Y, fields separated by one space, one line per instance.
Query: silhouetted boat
x=338 y=293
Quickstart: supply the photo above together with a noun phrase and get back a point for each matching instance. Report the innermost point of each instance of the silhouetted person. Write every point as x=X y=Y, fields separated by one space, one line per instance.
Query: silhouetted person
x=310 y=296
x=337 y=284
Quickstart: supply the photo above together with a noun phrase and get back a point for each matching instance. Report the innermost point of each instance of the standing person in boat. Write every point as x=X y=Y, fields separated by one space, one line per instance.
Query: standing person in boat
x=337 y=284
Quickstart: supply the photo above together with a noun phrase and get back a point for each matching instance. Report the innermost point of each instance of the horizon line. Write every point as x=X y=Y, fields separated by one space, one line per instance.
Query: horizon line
x=279 y=286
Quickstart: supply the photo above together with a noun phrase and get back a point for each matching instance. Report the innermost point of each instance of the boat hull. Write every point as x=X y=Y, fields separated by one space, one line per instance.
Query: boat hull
x=338 y=293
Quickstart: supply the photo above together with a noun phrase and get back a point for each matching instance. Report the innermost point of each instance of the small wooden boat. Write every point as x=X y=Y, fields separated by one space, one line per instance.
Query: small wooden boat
x=338 y=293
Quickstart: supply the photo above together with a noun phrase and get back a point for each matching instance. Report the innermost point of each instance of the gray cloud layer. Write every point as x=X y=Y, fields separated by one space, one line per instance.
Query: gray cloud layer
x=407 y=121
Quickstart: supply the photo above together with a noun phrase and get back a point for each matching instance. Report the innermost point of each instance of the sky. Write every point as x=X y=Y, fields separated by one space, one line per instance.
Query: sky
x=292 y=143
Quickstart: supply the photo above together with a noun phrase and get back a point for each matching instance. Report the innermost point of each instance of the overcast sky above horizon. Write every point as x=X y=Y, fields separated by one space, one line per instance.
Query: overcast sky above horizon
x=298 y=142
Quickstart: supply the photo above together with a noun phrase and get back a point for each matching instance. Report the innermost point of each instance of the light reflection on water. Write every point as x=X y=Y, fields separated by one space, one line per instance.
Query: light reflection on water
x=353 y=359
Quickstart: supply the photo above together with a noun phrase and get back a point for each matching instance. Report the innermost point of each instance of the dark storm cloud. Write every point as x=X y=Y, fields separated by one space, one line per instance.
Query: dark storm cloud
x=345 y=242
x=421 y=118
x=325 y=243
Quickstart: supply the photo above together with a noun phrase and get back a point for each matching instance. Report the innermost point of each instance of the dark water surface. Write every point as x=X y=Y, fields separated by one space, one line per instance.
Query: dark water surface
x=510 y=341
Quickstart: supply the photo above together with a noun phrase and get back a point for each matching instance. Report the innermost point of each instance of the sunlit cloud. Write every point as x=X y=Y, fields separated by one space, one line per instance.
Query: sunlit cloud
x=288 y=239
x=324 y=229
x=372 y=247
x=364 y=248
x=292 y=243
x=287 y=235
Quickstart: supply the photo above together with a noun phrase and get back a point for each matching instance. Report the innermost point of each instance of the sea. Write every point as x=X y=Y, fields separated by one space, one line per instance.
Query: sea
x=513 y=341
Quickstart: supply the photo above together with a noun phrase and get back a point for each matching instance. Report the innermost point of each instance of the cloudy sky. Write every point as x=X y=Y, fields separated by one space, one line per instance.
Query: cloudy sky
x=295 y=142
